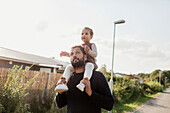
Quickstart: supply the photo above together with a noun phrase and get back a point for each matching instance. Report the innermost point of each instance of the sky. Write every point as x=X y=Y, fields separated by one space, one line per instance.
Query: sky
x=47 y=27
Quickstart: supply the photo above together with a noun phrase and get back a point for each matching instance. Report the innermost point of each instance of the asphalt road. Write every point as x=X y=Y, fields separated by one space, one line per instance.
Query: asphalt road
x=158 y=104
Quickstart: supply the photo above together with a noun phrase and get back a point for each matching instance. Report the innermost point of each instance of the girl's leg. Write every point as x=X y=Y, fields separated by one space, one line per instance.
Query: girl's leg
x=89 y=67
x=66 y=75
x=67 y=72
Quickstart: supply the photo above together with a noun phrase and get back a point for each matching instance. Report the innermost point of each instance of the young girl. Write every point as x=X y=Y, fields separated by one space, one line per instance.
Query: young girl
x=91 y=51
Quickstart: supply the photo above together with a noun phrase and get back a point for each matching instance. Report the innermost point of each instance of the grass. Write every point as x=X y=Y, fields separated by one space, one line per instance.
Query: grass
x=131 y=105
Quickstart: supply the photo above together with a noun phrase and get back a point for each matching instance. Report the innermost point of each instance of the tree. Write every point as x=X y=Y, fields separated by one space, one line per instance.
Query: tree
x=104 y=71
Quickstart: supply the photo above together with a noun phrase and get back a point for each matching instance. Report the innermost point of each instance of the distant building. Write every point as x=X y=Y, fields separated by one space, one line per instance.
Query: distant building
x=9 y=58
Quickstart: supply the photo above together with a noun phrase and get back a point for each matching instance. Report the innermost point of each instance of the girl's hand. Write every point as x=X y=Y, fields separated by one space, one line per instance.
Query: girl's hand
x=63 y=53
x=62 y=80
x=86 y=48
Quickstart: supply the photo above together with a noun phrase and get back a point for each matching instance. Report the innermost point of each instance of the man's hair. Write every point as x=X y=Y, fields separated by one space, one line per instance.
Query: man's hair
x=81 y=48
x=91 y=31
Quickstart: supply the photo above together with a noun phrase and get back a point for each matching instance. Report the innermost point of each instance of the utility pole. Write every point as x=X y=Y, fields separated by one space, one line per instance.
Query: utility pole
x=160 y=80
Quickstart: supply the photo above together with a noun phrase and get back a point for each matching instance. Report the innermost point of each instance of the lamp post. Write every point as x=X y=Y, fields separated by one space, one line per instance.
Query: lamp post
x=165 y=81
x=111 y=80
x=160 y=80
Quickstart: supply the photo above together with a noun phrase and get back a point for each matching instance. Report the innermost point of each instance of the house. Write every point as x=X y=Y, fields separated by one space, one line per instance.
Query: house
x=9 y=58
x=129 y=76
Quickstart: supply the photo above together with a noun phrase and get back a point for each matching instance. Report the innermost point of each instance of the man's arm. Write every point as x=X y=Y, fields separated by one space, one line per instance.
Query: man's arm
x=103 y=101
x=60 y=100
x=100 y=92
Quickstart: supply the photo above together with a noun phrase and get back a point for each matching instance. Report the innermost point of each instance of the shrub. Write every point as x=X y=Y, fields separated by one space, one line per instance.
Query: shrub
x=154 y=85
x=107 y=77
x=13 y=91
x=48 y=106
x=123 y=88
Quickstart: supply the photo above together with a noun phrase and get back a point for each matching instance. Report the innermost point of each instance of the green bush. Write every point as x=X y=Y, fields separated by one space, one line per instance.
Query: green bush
x=123 y=88
x=54 y=109
x=154 y=85
x=13 y=91
x=48 y=106
x=107 y=77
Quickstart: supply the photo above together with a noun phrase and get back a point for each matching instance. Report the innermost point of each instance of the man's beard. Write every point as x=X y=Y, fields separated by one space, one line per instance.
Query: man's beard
x=78 y=64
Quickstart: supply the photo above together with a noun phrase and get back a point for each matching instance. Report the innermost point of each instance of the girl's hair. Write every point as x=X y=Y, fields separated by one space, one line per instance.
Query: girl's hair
x=91 y=31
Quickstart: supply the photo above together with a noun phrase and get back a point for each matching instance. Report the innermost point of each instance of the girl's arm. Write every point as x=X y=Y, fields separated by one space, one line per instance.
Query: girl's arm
x=93 y=51
x=64 y=53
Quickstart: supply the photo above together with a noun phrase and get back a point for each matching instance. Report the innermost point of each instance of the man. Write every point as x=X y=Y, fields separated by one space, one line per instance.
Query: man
x=97 y=94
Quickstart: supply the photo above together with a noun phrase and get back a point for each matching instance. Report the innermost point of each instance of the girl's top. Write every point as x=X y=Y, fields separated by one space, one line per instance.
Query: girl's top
x=91 y=55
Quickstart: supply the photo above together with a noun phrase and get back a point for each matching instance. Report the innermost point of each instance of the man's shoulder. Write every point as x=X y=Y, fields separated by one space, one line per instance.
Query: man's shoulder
x=98 y=77
x=98 y=74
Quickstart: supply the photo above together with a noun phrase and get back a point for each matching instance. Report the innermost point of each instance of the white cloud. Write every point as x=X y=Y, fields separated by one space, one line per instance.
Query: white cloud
x=45 y=28
x=133 y=54
x=135 y=48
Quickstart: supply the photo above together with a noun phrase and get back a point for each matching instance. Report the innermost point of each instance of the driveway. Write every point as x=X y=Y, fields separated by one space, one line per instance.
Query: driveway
x=158 y=104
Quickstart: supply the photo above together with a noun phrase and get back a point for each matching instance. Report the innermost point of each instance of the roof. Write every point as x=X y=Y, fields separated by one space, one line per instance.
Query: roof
x=129 y=76
x=13 y=55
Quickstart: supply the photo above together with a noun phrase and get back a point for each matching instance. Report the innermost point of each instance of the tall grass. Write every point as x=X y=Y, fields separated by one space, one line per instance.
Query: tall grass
x=13 y=90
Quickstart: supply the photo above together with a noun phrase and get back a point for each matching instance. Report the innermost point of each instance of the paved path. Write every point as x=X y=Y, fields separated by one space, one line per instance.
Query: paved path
x=159 y=104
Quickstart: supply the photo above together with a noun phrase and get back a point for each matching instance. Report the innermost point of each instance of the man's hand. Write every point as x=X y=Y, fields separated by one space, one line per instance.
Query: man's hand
x=62 y=80
x=86 y=48
x=88 y=89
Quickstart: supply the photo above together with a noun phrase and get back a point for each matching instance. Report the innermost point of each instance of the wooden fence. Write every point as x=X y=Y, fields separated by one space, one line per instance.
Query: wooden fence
x=42 y=87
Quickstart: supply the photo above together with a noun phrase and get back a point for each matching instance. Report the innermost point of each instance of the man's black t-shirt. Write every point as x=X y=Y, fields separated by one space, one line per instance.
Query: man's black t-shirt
x=80 y=102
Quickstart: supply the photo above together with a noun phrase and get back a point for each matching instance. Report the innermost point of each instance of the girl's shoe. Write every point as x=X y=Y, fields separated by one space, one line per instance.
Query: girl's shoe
x=81 y=86
x=61 y=88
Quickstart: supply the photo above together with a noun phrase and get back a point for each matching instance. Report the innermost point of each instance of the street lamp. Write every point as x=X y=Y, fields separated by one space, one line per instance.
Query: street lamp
x=165 y=81
x=111 y=80
x=160 y=80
